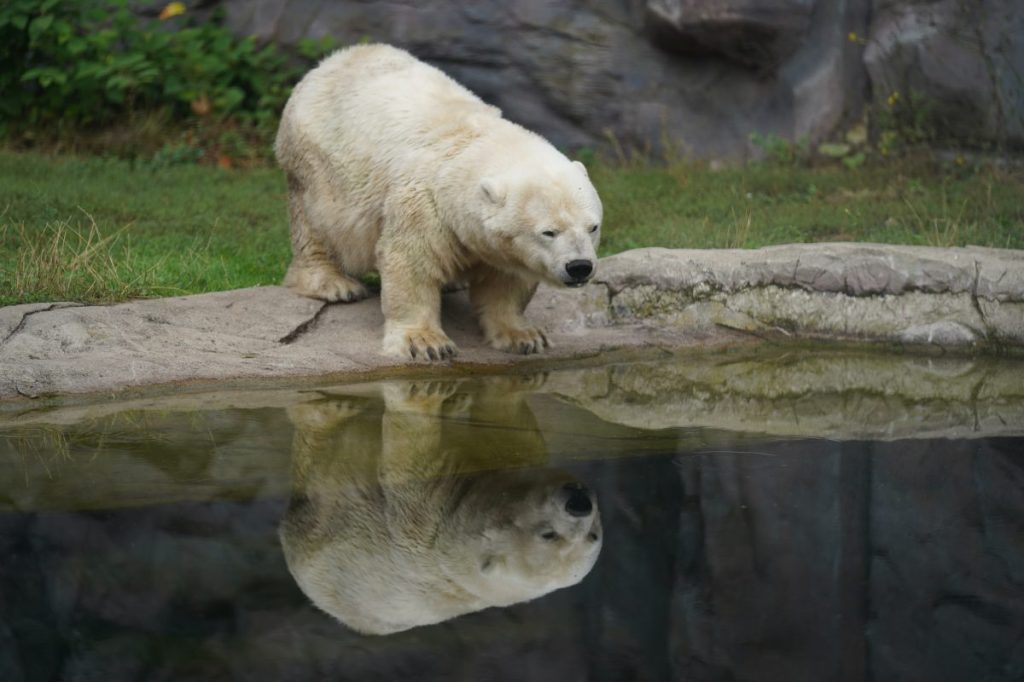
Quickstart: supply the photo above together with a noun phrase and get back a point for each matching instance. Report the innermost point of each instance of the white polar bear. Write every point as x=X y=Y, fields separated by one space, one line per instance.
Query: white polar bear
x=399 y=517
x=394 y=167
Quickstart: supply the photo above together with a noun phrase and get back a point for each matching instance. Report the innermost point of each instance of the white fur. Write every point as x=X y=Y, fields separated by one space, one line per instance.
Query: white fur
x=394 y=167
x=394 y=524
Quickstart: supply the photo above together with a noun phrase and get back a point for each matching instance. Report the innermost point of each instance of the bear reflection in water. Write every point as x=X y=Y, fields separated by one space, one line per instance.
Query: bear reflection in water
x=414 y=503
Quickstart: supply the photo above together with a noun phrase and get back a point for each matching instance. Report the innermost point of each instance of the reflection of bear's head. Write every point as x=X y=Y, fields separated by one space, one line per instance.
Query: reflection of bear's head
x=393 y=523
x=522 y=534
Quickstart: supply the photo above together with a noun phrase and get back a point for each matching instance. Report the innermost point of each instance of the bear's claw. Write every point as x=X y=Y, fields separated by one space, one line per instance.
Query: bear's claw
x=525 y=341
x=422 y=345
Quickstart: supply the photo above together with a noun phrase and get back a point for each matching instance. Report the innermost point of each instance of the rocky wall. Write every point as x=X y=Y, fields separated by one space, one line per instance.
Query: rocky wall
x=698 y=75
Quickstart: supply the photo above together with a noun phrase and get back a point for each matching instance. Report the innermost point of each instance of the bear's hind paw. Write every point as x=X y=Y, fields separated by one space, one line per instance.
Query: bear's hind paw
x=326 y=285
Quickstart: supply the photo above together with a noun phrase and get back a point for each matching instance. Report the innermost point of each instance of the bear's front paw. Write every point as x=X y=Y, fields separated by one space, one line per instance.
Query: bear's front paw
x=420 y=344
x=525 y=340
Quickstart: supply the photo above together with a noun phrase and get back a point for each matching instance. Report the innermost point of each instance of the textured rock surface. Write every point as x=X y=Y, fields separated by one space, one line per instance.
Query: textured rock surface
x=703 y=74
x=964 y=60
x=915 y=295
x=967 y=299
x=758 y=34
x=639 y=69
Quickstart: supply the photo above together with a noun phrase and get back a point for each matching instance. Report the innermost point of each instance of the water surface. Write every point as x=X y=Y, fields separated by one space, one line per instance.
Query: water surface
x=793 y=517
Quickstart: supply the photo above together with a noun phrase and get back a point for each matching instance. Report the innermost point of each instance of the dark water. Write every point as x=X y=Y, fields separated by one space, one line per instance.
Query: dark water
x=161 y=543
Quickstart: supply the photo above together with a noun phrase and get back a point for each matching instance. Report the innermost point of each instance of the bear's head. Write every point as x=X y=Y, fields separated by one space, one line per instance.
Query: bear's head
x=544 y=219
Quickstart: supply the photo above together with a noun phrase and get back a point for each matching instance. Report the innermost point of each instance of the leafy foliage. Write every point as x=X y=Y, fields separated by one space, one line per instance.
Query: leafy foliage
x=80 y=63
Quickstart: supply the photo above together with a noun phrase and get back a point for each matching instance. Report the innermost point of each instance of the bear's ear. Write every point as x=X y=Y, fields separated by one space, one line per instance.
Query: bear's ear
x=582 y=168
x=494 y=190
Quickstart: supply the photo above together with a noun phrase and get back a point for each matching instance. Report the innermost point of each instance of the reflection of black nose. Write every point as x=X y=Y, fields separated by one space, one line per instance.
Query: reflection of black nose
x=579 y=503
x=579 y=269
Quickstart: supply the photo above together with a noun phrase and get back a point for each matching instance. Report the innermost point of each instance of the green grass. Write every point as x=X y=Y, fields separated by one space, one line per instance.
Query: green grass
x=101 y=230
x=899 y=202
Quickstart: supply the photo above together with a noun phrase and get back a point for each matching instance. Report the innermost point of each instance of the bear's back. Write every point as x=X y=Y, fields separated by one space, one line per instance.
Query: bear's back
x=379 y=101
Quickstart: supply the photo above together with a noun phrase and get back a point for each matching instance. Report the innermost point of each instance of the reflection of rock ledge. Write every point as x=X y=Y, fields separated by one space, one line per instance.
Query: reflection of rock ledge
x=229 y=445
x=971 y=300
x=836 y=395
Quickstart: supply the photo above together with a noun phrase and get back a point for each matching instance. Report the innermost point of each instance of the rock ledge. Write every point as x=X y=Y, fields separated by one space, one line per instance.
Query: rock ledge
x=970 y=300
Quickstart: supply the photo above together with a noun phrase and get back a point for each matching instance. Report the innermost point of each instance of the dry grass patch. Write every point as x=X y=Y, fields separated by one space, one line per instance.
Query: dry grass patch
x=68 y=261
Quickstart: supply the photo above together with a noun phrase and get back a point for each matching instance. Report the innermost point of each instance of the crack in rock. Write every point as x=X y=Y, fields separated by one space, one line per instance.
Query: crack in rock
x=976 y=303
x=304 y=326
x=24 y=318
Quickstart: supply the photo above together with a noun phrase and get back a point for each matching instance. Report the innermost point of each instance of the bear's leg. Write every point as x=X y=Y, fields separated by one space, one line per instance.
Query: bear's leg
x=499 y=299
x=411 y=303
x=313 y=272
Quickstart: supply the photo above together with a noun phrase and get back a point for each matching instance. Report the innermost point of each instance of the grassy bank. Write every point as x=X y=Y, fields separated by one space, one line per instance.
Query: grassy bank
x=100 y=230
x=91 y=229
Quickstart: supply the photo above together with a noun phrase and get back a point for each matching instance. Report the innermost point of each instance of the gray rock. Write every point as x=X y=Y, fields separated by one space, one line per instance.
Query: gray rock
x=957 y=64
x=696 y=76
x=968 y=299
x=577 y=72
x=757 y=34
x=942 y=334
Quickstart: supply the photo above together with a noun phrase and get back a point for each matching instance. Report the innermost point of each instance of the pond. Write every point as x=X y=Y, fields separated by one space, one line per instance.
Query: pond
x=787 y=516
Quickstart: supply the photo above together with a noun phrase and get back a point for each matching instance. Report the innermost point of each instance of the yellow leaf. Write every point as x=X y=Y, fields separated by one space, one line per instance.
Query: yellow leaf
x=200 y=105
x=172 y=9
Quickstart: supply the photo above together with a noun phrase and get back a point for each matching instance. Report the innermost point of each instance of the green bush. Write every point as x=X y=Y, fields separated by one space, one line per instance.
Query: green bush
x=80 y=63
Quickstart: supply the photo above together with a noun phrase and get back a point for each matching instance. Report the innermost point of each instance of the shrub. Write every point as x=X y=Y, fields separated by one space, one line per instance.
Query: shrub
x=76 y=63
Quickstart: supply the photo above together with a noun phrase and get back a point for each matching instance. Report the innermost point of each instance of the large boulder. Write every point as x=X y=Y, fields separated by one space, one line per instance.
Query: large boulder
x=756 y=33
x=698 y=74
x=957 y=66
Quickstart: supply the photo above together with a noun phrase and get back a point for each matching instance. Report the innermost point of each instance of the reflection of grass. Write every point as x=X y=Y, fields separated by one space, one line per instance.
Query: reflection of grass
x=48 y=446
x=102 y=230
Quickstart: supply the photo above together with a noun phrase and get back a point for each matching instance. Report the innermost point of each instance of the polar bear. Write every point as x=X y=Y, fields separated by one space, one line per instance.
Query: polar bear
x=399 y=518
x=394 y=167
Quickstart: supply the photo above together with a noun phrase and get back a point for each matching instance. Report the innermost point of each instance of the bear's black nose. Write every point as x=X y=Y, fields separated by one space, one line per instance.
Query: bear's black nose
x=578 y=503
x=579 y=270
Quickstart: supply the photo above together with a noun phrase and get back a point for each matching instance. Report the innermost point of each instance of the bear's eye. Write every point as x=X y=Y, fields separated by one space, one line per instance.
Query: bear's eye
x=549 y=233
x=592 y=537
x=549 y=535
x=593 y=228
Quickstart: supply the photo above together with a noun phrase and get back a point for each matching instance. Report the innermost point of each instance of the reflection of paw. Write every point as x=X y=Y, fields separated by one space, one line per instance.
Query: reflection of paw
x=420 y=344
x=425 y=397
x=323 y=414
x=527 y=383
x=513 y=385
x=458 y=405
x=326 y=284
x=524 y=340
x=430 y=389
